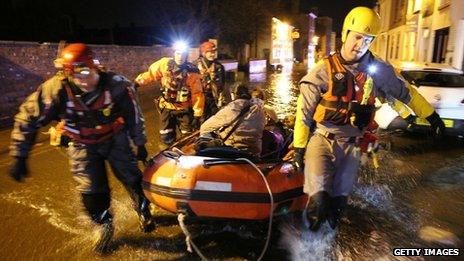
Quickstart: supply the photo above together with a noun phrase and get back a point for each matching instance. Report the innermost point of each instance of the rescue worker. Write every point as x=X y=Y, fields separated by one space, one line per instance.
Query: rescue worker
x=337 y=101
x=240 y=123
x=212 y=78
x=181 y=93
x=99 y=114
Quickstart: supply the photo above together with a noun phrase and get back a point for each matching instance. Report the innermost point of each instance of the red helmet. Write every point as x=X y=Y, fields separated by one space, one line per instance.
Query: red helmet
x=76 y=55
x=207 y=47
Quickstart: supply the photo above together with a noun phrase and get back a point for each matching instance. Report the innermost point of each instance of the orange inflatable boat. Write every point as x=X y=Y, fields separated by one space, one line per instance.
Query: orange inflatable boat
x=222 y=183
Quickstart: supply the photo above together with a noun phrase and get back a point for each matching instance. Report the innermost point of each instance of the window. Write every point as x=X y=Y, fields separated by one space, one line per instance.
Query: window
x=440 y=45
x=417 y=6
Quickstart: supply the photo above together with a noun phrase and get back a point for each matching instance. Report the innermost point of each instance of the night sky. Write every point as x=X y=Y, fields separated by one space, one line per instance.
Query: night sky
x=43 y=20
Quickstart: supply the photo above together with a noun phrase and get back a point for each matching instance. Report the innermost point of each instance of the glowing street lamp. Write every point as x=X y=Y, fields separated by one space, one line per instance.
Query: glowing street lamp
x=315 y=40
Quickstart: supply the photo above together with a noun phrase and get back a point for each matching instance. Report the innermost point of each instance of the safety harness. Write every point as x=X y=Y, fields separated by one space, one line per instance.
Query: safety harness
x=93 y=121
x=209 y=78
x=346 y=101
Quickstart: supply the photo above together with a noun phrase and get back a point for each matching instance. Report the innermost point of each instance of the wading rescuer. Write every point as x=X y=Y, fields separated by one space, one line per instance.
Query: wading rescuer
x=182 y=101
x=212 y=78
x=337 y=101
x=100 y=114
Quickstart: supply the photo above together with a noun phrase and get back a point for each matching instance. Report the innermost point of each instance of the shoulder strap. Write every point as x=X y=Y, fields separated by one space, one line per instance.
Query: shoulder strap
x=237 y=121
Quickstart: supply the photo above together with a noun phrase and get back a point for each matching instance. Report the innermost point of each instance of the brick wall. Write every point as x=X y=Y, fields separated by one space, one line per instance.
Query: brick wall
x=24 y=65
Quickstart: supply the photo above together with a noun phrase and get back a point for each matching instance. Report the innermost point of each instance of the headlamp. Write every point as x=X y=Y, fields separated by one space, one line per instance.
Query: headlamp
x=180 y=46
x=372 y=69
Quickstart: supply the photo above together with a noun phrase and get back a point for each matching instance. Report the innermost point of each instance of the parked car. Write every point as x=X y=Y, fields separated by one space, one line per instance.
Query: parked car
x=442 y=86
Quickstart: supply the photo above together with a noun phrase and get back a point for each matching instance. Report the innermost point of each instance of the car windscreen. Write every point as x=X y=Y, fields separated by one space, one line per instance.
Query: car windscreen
x=439 y=79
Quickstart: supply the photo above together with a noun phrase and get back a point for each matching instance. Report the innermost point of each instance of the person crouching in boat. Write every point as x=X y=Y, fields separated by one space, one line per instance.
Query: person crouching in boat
x=239 y=124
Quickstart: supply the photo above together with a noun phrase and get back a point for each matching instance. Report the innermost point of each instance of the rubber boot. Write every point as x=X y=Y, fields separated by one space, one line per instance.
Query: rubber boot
x=97 y=206
x=147 y=224
x=104 y=233
x=316 y=209
x=337 y=207
x=142 y=206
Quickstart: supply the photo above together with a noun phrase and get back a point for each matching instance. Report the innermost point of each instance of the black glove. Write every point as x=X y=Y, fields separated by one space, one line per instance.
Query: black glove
x=411 y=119
x=142 y=153
x=362 y=114
x=437 y=125
x=298 y=159
x=196 y=123
x=18 y=170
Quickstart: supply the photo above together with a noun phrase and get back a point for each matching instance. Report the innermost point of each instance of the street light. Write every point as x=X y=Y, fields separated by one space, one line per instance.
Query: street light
x=315 y=40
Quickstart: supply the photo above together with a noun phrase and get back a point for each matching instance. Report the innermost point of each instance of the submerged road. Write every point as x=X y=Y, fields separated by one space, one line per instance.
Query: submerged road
x=415 y=199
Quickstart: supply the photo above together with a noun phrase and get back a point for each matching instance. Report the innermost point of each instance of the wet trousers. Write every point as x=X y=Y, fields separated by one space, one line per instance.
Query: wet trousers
x=88 y=168
x=173 y=119
x=331 y=165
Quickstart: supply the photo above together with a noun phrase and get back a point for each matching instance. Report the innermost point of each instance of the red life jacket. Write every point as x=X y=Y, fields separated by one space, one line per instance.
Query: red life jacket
x=92 y=123
x=344 y=90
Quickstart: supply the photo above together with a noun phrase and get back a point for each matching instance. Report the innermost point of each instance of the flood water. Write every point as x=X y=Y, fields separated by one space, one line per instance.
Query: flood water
x=415 y=199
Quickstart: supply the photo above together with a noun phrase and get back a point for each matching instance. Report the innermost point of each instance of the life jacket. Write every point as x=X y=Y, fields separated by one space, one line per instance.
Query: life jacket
x=209 y=77
x=174 y=86
x=345 y=96
x=91 y=123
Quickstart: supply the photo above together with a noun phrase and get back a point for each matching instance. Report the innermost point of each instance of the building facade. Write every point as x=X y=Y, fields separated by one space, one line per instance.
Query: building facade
x=421 y=31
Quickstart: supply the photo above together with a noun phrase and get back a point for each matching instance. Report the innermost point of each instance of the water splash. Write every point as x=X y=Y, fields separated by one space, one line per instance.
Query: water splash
x=304 y=244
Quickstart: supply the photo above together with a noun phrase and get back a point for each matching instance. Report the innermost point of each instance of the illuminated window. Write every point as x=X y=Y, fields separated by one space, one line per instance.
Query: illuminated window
x=417 y=5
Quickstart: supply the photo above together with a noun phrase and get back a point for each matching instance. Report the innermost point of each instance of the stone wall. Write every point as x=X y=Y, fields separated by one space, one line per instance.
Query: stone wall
x=24 y=65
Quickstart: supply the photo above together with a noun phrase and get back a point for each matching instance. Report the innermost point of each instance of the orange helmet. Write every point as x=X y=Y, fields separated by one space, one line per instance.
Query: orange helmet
x=207 y=47
x=75 y=55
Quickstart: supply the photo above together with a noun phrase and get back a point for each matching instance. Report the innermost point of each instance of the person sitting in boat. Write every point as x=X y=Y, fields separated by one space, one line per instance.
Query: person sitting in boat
x=239 y=124
x=271 y=115
x=274 y=133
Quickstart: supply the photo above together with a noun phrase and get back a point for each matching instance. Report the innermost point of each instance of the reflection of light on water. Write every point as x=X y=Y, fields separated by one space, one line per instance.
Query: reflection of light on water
x=287 y=67
x=257 y=77
x=283 y=96
x=283 y=85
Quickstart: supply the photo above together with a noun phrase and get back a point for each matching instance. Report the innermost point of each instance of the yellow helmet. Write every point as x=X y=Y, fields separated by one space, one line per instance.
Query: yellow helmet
x=362 y=20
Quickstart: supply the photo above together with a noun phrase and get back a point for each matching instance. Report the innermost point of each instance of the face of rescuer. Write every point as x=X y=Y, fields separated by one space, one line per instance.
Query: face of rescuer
x=355 y=46
x=85 y=78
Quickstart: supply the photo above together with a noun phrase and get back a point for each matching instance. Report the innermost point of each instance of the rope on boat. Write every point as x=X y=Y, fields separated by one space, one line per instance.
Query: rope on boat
x=271 y=210
x=188 y=237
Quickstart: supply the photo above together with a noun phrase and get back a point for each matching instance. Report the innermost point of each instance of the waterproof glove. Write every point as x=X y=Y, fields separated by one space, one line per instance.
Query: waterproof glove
x=437 y=125
x=18 y=170
x=196 y=123
x=298 y=159
x=410 y=120
x=142 y=153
